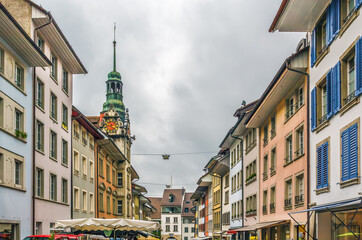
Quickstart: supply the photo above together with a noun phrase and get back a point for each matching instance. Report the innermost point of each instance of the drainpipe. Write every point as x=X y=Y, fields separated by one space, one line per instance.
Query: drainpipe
x=33 y=133
x=242 y=172
x=287 y=64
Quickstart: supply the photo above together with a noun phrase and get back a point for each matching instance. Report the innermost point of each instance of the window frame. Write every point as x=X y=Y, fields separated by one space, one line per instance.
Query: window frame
x=53 y=198
x=53 y=153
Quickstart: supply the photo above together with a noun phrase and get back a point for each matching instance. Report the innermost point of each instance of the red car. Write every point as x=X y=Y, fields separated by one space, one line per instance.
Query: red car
x=56 y=237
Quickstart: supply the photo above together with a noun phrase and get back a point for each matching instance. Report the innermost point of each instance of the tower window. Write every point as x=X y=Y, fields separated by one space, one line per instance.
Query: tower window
x=171 y=198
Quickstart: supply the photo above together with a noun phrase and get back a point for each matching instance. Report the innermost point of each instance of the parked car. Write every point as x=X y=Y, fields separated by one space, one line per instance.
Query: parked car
x=56 y=237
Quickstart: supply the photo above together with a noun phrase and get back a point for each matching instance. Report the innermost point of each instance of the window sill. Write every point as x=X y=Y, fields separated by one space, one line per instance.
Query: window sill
x=297 y=157
x=350 y=182
x=21 y=90
x=40 y=151
x=65 y=165
x=272 y=211
x=65 y=129
x=322 y=190
x=54 y=79
x=288 y=163
x=348 y=22
x=288 y=207
x=273 y=173
x=76 y=172
x=250 y=181
x=54 y=159
x=321 y=126
x=13 y=187
x=65 y=92
x=13 y=135
x=298 y=205
x=40 y=108
x=53 y=119
x=52 y=201
x=321 y=56
x=250 y=148
x=348 y=106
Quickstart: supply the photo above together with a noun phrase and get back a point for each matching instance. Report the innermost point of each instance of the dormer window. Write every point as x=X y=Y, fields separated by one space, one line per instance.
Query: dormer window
x=171 y=198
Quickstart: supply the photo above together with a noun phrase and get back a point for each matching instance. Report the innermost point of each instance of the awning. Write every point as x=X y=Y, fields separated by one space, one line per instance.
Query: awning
x=201 y=238
x=231 y=232
x=261 y=225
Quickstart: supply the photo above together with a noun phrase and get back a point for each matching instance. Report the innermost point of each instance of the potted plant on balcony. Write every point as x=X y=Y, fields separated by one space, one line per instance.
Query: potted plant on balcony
x=20 y=134
x=64 y=125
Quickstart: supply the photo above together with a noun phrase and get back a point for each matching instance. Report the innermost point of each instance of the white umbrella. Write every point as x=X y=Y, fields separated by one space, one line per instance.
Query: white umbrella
x=94 y=224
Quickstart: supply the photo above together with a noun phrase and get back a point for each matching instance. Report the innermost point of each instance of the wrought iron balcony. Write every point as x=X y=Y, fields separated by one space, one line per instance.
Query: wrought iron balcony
x=289 y=113
x=288 y=160
x=323 y=119
x=273 y=133
x=265 y=210
x=349 y=98
x=265 y=141
x=265 y=176
x=299 y=152
x=299 y=199
x=272 y=207
x=272 y=171
x=287 y=202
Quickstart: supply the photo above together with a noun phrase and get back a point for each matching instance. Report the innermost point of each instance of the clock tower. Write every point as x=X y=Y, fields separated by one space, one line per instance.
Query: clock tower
x=114 y=118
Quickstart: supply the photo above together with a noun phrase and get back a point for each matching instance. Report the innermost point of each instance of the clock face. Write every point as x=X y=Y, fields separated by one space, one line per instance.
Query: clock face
x=111 y=125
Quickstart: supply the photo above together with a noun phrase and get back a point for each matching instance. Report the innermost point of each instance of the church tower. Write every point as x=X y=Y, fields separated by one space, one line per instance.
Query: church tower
x=114 y=118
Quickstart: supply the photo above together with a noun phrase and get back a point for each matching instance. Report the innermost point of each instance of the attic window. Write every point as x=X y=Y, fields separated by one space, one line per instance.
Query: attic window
x=171 y=198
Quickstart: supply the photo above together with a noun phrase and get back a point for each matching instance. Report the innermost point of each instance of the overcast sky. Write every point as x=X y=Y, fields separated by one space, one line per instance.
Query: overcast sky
x=186 y=66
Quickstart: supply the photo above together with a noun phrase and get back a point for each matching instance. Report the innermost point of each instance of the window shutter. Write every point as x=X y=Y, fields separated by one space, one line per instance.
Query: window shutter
x=358 y=3
x=359 y=66
x=325 y=164
x=335 y=17
x=345 y=153
x=330 y=102
x=353 y=151
x=329 y=23
x=313 y=109
x=313 y=47
x=319 y=167
x=336 y=87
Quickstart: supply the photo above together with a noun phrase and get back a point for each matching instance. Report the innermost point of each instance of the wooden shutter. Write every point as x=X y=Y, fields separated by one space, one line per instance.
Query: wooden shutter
x=345 y=156
x=358 y=3
x=313 y=109
x=336 y=88
x=325 y=169
x=353 y=151
x=319 y=167
x=359 y=65
x=313 y=47
x=329 y=94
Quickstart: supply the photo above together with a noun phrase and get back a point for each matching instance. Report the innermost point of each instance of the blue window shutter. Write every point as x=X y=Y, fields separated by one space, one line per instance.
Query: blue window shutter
x=359 y=66
x=358 y=3
x=313 y=47
x=336 y=17
x=325 y=165
x=330 y=98
x=353 y=151
x=329 y=23
x=345 y=155
x=336 y=87
x=313 y=109
x=319 y=167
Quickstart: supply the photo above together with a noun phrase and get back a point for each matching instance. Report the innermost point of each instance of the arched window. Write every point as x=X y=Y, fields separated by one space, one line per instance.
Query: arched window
x=112 y=87
x=171 y=198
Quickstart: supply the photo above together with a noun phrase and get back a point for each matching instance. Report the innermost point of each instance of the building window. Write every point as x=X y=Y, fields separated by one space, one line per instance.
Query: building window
x=171 y=198
x=84 y=203
x=347 y=8
x=226 y=197
x=250 y=140
x=100 y=202
x=272 y=200
x=18 y=173
x=53 y=145
x=273 y=159
x=65 y=117
x=53 y=106
x=167 y=228
x=91 y=202
x=251 y=172
x=265 y=167
x=349 y=147
x=76 y=161
x=321 y=35
x=40 y=43
x=265 y=132
x=19 y=121
x=76 y=198
x=175 y=220
x=120 y=207
x=186 y=210
x=54 y=67
x=84 y=166
x=120 y=179
x=265 y=201
x=64 y=152
x=288 y=194
x=53 y=187
x=299 y=189
x=39 y=136
x=289 y=104
x=348 y=77
x=84 y=137
x=288 y=149
x=323 y=97
x=108 y=203
x=227 y=181
x=39 y=93
x=39 y=182
x=186 y=238
x=65 y=82
x=91 y=168
x=108 y=173
x=101 y=167
x=299 y=142
x=114 y=205
x=300 y=97
x=273 y=127
x=19 y=76
x=175 y=228
x=76 y=130
x=114 y=177
x=167 y=219
x=64 y=190
x=1 y=60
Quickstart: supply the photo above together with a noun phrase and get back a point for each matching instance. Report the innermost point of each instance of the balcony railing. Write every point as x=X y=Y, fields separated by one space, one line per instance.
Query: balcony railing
x=217 y=226
x=272 y=207
x=299 y=199
x=287 y=202
x=323 y=119
x=251 y=212
x=299 y=104
x=84 y=141
x=265 y=210
x=349 y=98
x=265 y=176
x=265 y=141
x=288 y=160
x=289 y=113
x=272 y=171
x=273 y=133
x=299 y=152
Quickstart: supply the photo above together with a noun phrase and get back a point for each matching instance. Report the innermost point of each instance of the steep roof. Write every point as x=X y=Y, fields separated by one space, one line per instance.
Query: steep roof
x=156 y=203
x=187 y=204
x=178 y=193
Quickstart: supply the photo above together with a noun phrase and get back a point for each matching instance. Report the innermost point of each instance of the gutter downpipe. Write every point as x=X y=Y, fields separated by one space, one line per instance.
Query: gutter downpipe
x=287 y=63
x=242 y=172
x=33 y=131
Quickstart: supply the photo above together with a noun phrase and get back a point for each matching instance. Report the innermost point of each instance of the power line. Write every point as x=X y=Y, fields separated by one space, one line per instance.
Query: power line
x=160 y=154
